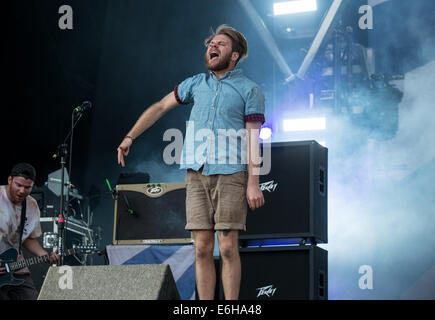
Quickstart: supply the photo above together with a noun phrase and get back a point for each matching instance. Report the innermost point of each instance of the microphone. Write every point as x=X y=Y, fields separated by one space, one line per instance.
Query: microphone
x=83 y=107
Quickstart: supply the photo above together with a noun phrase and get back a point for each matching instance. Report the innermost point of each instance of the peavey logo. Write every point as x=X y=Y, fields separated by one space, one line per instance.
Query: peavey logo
x=268 y=291
x=154 y=190
x=268 y=186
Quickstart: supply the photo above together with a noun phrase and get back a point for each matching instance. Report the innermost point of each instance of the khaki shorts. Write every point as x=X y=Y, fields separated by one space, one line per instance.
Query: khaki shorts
x=216 y=202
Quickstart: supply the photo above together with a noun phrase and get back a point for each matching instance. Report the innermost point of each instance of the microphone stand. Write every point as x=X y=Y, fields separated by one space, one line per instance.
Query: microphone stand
x=61 y=218
x=61 y=222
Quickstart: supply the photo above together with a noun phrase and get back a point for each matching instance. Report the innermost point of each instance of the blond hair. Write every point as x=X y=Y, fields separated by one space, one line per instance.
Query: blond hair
x=239 y=43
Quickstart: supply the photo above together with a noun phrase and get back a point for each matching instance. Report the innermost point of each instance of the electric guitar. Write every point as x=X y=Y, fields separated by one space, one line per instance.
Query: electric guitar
x=8 y=260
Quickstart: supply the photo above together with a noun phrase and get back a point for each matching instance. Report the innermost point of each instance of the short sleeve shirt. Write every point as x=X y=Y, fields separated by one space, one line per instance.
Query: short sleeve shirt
x=215 y=136
x=10 y=218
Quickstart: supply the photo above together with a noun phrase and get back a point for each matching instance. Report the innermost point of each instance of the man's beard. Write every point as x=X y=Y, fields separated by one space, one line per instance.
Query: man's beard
x=224 y=62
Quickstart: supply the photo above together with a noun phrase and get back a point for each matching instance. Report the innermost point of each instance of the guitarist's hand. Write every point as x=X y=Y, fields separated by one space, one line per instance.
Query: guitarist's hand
x=54 y=256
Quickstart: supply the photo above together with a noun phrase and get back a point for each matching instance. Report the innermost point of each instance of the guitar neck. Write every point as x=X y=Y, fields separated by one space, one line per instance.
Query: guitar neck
x=34 y=260
x=28 y=262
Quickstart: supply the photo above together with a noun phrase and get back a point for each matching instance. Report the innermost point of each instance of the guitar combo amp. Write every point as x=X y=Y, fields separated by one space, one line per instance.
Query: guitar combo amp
x=151 y=213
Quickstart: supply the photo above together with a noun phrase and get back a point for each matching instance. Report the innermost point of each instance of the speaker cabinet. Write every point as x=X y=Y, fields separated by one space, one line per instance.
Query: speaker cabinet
x=126 y=282
x=291 y=273
x=295 y=193
x=153 y=213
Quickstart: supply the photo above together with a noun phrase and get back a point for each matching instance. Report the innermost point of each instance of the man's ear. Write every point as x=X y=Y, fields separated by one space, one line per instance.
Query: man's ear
x=9 y=180
x=235 y=56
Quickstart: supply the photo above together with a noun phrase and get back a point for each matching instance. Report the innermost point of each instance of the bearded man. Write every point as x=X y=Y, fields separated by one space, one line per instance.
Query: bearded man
x=13 y=198
x=219 y=184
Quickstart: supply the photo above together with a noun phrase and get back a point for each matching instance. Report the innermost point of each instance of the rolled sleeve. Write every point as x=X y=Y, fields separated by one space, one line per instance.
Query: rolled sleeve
x=176 y=95
x=255 y=117
x=255 y=106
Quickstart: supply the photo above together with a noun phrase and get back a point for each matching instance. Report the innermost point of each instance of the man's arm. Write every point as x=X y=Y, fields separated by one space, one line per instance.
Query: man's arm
x=32 y=245
x=253 y=192
x=146 y=120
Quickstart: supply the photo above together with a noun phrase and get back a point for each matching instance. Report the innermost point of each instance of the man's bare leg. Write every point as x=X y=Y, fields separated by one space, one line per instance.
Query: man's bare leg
x=231 y=265
x=204 y=265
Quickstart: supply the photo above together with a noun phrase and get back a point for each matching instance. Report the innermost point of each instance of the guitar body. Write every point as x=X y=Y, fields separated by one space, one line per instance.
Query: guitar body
x=6 y=257
x=8 y=260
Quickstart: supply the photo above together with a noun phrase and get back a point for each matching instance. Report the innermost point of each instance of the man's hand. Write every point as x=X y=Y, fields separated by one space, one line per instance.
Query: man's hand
x=123 y=150
x=254 y=195
x=54 y=257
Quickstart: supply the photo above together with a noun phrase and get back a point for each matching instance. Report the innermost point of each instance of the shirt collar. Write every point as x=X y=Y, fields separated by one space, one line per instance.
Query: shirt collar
x=229 y=74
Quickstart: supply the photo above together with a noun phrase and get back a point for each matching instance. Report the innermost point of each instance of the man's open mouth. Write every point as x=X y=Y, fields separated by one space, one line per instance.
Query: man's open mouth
x=214 y=55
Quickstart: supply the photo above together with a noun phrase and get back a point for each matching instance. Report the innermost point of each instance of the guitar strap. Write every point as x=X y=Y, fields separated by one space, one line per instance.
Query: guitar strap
x=22 y=221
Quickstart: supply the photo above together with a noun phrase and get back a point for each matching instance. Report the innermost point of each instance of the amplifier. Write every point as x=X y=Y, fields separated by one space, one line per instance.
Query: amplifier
x=295 y=193
x=48 y=202
x=288 y=272
x=152 y=213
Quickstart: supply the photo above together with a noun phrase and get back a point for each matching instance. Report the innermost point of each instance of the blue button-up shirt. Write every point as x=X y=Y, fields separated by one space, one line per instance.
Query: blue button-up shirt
x=215 y=134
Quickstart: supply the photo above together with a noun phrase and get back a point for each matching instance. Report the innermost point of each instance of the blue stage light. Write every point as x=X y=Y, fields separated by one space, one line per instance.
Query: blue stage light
x=265 y=133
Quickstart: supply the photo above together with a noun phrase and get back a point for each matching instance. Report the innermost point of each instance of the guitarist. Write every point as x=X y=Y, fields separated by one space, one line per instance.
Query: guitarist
x=12 y=196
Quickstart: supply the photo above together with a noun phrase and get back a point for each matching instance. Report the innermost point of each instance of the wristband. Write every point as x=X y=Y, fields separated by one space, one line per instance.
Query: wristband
x=132 y=139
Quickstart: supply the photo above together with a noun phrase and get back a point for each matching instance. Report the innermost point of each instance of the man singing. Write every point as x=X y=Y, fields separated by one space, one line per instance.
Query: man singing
x=218 y=188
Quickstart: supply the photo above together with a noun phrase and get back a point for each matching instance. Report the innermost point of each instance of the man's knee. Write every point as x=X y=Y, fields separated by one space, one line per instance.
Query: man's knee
x=204 y=244
x=203 y=250
x=228 y=245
